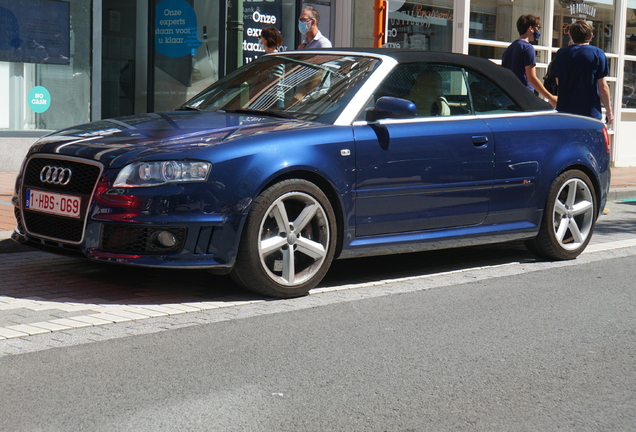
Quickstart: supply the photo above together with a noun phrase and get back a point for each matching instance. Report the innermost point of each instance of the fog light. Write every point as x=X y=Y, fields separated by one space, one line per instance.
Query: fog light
x=164 y=239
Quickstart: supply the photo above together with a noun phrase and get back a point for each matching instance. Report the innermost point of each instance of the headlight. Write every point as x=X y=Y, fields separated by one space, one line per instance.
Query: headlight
x=143 y=174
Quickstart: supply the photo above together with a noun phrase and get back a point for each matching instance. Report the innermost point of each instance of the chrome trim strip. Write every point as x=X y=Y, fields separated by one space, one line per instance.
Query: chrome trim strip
x=452 y=118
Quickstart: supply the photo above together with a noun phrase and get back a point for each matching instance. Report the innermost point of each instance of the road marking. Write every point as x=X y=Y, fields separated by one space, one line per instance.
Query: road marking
x=599 y=247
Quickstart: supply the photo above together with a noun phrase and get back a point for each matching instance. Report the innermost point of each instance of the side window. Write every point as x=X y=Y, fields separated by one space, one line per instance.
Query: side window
x=435 y=89
x=487 y=97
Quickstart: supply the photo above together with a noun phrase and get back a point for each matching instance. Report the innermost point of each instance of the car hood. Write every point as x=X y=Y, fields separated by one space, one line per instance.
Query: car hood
x=156 y=136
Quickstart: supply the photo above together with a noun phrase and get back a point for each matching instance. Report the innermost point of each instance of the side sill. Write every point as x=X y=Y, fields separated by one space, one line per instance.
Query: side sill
x=441 y=239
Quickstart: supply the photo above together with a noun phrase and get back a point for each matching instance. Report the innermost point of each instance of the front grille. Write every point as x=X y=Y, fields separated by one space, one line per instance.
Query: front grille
x=82 y=183
x=131 y=240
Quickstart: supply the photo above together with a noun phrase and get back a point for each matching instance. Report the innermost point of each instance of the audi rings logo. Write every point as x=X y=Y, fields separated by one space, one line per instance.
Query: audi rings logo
x=55 y=175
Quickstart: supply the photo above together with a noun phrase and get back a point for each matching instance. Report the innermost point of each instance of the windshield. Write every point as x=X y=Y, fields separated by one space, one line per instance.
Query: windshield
x=301 y=86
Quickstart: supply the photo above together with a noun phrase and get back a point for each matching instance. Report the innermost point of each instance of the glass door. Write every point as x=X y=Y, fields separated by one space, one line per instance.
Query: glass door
x=186 y=49
x=119 y=58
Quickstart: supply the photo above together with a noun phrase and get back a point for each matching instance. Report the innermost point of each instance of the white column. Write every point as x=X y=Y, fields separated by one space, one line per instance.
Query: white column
x=620 y=144
x=17 y=96
x=461 y=24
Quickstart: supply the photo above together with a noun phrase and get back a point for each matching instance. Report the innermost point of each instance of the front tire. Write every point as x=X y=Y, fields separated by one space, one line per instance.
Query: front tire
x=568 y=219
x=288 y=241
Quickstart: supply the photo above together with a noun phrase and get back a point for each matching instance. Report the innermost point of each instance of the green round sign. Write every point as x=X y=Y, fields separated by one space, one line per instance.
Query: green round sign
x=39 y=99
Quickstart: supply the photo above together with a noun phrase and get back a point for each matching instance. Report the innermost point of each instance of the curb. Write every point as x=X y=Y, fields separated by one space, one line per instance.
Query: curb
x=621 y=193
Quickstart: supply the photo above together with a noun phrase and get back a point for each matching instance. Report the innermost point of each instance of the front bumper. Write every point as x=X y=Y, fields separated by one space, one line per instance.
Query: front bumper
x=210 y=245
x=165 y=226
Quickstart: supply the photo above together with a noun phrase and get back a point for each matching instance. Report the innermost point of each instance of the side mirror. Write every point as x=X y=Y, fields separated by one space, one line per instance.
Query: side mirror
x=392 y=107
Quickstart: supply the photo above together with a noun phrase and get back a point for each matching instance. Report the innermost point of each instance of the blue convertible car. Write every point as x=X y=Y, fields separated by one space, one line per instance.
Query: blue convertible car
x=300 y=158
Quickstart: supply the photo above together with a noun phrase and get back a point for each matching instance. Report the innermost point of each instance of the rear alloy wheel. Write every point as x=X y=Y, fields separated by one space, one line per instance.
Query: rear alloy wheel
x=288 y=242
x=569 y=218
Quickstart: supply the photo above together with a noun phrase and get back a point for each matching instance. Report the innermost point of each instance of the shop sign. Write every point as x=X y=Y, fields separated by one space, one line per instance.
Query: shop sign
x=176 y=30
x=258 y=14
x=582 y=8
x=39 y=99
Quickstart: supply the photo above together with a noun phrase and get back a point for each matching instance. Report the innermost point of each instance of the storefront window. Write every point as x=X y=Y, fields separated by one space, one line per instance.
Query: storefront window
x=497 y=21
x=629 y=85
x=600 y=15
x=44 y=64
x=189 y=35
x=494 y=20
x=422 y=25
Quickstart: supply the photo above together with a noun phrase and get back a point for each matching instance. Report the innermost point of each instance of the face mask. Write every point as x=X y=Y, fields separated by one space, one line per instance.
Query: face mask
x=537 y=35
x=303 y=27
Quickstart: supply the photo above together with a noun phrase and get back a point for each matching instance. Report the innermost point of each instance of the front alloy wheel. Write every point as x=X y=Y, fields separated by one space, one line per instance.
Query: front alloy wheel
x=289 y=240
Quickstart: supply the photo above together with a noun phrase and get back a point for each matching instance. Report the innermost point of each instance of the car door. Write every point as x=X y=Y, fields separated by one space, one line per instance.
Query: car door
x=524 y=140
x=431 y=171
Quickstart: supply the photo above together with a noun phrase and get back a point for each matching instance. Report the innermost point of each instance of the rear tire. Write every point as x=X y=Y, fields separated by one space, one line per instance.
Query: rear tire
x=288 y=241
x=568 y=219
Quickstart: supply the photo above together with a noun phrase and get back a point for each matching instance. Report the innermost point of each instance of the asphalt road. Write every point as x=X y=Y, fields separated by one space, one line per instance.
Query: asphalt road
x=517 y=344
x=545 y=350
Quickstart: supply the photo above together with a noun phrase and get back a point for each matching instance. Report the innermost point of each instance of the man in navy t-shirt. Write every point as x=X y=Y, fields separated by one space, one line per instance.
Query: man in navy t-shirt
x=580 y=70
x=520 y=56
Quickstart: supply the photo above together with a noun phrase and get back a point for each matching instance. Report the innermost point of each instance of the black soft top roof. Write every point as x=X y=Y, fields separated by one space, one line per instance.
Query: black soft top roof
x=503 y=77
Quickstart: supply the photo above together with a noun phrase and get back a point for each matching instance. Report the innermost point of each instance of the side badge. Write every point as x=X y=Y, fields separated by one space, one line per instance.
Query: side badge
x=345 y=152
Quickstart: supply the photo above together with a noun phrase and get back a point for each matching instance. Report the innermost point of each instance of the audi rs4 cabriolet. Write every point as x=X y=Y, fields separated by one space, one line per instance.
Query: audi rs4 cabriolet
x=300 y=158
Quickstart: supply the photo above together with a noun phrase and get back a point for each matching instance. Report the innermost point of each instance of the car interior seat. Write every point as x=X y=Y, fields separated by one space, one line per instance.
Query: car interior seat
x=428 y=96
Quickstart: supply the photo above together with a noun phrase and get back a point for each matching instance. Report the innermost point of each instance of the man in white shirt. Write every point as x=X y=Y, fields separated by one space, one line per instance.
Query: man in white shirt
x=308 y=25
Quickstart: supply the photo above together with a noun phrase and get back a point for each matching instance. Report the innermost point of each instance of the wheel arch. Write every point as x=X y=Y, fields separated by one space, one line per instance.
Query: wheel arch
x=583 y=156
x=590 y=173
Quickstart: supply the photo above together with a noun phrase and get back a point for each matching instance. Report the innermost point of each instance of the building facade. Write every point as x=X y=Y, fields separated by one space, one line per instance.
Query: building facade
x=69 y=62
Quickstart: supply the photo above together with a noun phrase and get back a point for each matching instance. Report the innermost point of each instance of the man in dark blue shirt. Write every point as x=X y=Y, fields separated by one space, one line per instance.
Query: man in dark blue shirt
x=520 y=56
x=580 y=70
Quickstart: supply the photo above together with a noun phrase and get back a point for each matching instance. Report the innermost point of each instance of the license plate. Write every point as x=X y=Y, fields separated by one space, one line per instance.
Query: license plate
x=48 y=202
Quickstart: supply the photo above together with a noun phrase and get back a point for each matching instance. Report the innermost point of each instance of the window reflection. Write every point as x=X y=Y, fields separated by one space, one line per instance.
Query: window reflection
x=630 y=32
x=497 y=21
x=422 y=25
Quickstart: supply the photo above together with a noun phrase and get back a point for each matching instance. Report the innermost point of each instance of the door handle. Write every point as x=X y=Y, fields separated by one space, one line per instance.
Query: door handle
x=480 y=140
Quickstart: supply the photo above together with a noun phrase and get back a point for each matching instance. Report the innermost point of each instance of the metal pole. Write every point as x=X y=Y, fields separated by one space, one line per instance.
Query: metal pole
x=235 y=35
x=380 y=11
x=96 y=74
x=150 y=83
x=222 y=40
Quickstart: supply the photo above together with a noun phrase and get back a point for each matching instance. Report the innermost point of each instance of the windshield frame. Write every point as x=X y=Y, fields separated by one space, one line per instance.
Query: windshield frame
x=339 y=112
